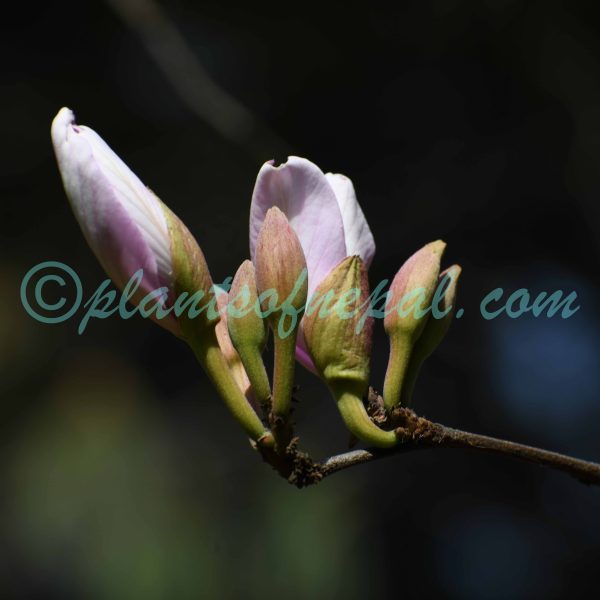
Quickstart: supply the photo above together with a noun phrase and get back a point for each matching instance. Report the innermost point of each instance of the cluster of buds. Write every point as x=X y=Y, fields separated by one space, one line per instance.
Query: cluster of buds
x=306 y=284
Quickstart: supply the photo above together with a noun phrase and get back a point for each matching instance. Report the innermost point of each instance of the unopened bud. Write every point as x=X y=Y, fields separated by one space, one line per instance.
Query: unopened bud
x=281 y=278
x=248 y=330
x=339 y=343
x=281 y=274
x=409 y=304
x=234 y=362
x=121 y=219
x=443 y=309
x=133 y=233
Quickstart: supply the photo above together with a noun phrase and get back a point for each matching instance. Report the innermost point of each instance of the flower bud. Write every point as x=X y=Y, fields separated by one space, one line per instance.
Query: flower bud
x=232 y=357
x=339 y=343
x=132 y=232
x=281 y=281
x=409 y=303
x=443 y=309
x=280 y=268
x=247 y=330
x=121 y=219
x=340 y=349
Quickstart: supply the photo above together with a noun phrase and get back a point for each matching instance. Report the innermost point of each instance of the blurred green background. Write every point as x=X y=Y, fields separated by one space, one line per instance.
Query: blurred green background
x=122 y=476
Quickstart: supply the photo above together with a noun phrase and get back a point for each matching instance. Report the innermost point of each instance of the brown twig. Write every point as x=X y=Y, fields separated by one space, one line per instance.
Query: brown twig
x=585 y=471
x=419 y=433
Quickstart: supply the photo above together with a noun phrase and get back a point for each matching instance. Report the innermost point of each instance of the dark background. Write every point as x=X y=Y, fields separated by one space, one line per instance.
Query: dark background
x=121 y=474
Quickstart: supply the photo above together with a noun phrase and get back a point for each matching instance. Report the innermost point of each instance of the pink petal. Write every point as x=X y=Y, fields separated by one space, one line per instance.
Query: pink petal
x=300 y=189
x=121 y=219
x=359 y=239
x=302 y=354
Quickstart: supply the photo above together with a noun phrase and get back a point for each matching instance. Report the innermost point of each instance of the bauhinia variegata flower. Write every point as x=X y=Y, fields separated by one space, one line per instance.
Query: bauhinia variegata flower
x=130 y=230
x=323 y=211
x=307 y=283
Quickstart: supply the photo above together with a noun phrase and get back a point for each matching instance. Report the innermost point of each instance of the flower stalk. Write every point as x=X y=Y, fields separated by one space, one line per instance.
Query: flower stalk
x=191 y=274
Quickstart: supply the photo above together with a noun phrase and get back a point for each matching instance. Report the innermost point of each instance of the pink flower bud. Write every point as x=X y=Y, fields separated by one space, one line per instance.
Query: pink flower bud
x=124 y=223
x=128 y=228
x=280 y=266
x=408 y=308
x=281 y=281
x=412 y=289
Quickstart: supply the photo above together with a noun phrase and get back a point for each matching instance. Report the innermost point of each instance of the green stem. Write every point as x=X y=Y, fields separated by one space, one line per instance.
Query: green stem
x=412 y=373
x=400 y=351
x=283 y=373
x=209 y=355
x=257 y=374
x=357 y=420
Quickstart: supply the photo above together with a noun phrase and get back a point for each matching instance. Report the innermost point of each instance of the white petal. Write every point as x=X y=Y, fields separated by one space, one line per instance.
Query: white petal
x=299 y=188
x=105 y=195
x=358 y=236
